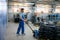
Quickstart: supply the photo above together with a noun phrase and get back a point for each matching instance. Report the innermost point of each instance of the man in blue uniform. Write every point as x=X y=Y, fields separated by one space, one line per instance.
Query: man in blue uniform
x=21 y=22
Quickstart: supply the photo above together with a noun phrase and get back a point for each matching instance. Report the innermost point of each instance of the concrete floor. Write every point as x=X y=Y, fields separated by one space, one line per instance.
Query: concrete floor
x=11 y=32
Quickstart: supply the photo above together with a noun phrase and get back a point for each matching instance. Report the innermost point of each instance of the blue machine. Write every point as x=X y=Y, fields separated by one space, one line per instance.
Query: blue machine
x=54 y=17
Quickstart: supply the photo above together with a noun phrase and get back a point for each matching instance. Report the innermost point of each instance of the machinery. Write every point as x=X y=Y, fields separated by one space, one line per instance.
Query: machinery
x=49 y=31
x=55 y=17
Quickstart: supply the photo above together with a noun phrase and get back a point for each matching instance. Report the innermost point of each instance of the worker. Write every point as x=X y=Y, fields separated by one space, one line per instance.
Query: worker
x=34 y=17
x=21 y=22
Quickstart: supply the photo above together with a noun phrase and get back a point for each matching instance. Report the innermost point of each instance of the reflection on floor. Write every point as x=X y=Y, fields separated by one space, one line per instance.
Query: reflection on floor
x=11 y=32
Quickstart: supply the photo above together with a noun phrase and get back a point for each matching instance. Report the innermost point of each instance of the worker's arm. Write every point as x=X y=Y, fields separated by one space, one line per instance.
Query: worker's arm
x=21 y=17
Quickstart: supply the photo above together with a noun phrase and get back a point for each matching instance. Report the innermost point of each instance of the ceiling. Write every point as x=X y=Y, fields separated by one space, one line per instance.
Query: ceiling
x=37 y=1
x=28 y=0
x=33 y=0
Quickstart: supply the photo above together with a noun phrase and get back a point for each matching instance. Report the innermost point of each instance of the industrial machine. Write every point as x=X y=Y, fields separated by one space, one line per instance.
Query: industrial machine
x=55 y=17
x=49 y=31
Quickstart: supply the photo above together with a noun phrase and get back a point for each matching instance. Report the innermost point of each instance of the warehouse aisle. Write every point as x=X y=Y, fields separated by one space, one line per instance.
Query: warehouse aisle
x=11 y=32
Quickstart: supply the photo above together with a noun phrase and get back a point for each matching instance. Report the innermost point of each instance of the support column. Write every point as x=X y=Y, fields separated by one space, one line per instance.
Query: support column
x=3 y=18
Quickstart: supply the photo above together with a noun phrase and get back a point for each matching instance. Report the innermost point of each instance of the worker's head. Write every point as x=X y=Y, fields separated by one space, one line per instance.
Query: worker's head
x=17 y=10
x=22 y=9
x=42 y=12
x=35 y=14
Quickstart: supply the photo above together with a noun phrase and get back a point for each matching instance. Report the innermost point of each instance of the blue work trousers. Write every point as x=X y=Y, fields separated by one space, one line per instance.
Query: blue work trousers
x=21 y=27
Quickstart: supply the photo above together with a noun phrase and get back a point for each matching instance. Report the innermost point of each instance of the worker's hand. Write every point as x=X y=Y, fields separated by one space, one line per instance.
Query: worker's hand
x=25 y=20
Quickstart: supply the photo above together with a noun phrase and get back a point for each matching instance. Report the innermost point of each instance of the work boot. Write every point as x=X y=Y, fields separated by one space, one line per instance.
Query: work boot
x=23 y=34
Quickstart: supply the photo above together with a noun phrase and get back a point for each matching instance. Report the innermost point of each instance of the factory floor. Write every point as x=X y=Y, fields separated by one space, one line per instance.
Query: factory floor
x=11 y=32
